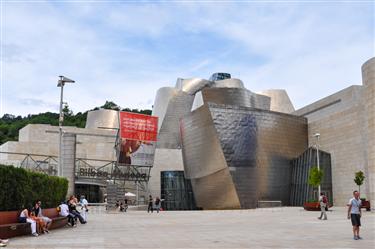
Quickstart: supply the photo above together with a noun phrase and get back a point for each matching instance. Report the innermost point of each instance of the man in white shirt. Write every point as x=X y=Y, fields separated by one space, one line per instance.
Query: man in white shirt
x=84 y=207
x=64 y=211
x=355 y=213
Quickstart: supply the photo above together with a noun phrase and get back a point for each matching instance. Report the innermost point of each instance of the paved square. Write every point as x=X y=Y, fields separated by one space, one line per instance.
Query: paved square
x=286 y=227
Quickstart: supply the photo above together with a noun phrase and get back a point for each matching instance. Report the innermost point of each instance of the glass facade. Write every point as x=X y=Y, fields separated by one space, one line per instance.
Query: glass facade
x=91 y=192
x=301 y=191
x=220 y=76
x=176 y=191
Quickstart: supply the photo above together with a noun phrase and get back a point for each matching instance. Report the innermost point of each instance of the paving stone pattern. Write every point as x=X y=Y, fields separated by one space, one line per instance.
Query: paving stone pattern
x=283 y=227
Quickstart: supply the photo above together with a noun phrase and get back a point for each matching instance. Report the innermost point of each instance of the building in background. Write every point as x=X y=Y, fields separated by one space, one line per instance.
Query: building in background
x=346 y=123
x=224 y=146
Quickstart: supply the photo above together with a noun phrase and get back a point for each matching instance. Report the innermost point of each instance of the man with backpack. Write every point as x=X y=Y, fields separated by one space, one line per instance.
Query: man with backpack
x=323 y=201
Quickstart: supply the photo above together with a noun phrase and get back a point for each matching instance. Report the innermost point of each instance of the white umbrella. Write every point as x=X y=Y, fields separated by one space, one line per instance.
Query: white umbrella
x=128 y=194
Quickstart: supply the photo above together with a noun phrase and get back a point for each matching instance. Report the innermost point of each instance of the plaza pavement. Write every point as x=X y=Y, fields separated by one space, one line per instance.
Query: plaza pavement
x=286 y=227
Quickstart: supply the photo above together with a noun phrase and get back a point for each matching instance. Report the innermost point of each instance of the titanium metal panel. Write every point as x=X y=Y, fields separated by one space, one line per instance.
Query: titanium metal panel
x=215 y=191
x=235 y=96
x=257 y=146
x=163 y=96
x=268 y=141
x=280 y=101
x=169 y=133
x=102 y=119
x=201 y=151
x=231 y=83
x=193 y=85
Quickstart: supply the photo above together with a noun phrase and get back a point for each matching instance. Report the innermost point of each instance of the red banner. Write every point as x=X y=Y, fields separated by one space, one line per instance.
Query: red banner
x=139 y=127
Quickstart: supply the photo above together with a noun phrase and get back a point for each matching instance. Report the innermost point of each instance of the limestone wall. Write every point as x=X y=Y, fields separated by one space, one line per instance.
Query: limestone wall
x=341 y=120
x=368 y=78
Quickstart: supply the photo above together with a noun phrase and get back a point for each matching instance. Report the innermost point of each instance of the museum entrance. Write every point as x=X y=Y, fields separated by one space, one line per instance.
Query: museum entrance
x=91 y=192
x=176 y=191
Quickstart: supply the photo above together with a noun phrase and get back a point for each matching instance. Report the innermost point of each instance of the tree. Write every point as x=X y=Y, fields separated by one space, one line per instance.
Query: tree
x=315 y=177
x=111 y=106
x=359 y=179
x=66 y=111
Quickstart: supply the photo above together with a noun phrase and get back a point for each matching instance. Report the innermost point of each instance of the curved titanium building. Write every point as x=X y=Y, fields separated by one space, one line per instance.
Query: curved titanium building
x=232 y=148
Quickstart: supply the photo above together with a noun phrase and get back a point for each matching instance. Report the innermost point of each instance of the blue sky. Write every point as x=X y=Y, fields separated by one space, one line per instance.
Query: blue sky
x=124 y=51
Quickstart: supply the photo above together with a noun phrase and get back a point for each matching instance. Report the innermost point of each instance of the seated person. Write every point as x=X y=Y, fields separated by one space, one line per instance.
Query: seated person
x=39 y=213
x=64 y=212
x=72 y=204
x=41 y=225
x=25 y=218
x=3 y=242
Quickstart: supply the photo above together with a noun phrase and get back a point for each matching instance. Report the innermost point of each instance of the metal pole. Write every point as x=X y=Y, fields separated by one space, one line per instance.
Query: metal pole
x=61 y=117
x=137 y=193
x=317 y=158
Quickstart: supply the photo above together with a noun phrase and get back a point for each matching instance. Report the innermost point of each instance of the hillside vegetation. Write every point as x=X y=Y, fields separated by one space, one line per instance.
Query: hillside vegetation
x=11 y=124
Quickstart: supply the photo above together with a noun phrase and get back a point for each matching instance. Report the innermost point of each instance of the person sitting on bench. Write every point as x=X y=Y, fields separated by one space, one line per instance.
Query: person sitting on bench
x=73 y=209
x=25 y=218
x=64 y=212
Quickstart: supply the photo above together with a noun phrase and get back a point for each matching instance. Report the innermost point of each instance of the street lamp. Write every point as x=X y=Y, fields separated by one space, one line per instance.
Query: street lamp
x=61 y=84
x=317 y=135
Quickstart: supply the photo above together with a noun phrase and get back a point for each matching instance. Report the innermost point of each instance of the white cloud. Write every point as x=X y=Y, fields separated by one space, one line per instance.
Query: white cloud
x=125 y=52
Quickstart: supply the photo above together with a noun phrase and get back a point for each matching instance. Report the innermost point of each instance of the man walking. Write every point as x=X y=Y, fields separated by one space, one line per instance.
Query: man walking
x=323 y=202
x=150 y=204
x=355 y=213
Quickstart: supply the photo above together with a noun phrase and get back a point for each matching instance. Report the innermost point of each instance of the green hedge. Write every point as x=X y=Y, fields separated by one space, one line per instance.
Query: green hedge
x=21 y=188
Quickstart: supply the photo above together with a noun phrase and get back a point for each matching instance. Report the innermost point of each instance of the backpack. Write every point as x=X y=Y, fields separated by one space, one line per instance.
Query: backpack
x=325 y=200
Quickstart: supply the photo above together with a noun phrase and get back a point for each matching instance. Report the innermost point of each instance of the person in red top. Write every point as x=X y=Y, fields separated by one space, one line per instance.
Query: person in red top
x=323 y=202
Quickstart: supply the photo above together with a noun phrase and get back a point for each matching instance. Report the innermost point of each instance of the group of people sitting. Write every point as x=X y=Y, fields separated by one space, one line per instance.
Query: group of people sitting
x=41 y=224
x=69 y=209
x=34 y=215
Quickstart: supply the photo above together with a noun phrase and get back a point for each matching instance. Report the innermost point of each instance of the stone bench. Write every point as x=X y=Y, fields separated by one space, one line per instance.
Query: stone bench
x=267 y=204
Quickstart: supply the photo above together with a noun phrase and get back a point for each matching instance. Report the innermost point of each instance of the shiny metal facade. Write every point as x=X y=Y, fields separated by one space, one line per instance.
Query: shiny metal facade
x=229 y=83
x=105 y=119
x=235 y=96
x=237 y=155
x=193 y=85
x=163 y=96
x=169 y=133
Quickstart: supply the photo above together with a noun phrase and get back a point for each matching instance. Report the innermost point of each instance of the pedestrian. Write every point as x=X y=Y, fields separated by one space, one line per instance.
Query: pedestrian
x=355 y=213
x=157 y=204
x=126 y=204
x=150 y=204
x=84 y=207
x=323 y=202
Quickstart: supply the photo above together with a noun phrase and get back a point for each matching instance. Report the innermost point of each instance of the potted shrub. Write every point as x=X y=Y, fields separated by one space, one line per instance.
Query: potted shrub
x=315 y=178
x=359 y=178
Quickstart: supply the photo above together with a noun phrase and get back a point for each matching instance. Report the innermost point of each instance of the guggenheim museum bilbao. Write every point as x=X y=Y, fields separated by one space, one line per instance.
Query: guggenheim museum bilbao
x=222 y=146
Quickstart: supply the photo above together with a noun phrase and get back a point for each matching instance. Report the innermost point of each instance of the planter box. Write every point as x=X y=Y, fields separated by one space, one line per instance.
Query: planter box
x=314 y=206
x=366 y=205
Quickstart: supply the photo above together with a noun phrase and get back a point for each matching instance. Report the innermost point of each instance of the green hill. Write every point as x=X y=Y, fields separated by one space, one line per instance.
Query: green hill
x=11 y=124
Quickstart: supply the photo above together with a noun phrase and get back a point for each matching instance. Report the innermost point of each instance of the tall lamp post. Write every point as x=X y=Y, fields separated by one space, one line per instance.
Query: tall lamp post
x=317 y=135
x=61 y=84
